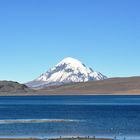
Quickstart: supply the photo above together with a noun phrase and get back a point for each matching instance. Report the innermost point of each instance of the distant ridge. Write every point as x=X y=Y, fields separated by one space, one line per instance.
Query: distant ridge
x=111 y=86
x=126 y=85
x=69 y=70
x=13 y=87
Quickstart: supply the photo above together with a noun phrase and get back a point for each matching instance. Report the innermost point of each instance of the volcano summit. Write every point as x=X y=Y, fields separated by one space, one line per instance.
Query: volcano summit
x=69 y=70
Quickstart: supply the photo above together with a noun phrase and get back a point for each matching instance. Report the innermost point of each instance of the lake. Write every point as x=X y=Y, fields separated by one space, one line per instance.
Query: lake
x=54 y=116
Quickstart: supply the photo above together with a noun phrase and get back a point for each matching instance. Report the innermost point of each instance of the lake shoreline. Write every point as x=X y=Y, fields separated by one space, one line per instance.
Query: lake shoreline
x=69 y=138
x=67 y=94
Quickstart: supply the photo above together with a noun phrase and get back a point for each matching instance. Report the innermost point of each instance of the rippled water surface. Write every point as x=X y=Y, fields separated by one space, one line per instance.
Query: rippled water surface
x=52 y=116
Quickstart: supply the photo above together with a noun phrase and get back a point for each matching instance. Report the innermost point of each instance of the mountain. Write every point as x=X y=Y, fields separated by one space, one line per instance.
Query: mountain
x=113 y=86
x=13 y=87
x=121 y=86
x=69 y=70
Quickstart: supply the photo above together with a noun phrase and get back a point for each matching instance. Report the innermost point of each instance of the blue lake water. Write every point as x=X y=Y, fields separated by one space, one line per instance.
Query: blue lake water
x=53 y=116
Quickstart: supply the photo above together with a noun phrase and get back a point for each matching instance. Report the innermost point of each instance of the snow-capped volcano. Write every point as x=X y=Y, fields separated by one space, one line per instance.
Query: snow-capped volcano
x=69 y=70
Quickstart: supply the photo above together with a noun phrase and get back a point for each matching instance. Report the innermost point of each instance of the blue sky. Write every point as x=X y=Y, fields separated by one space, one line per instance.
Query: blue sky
x=37 y=34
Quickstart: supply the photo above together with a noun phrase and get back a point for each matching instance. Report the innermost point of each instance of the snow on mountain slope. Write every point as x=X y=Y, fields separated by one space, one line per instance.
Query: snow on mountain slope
x=69 y=70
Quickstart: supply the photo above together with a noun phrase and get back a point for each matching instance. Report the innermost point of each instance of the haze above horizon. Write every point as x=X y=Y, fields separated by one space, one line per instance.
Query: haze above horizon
x=36 y=34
